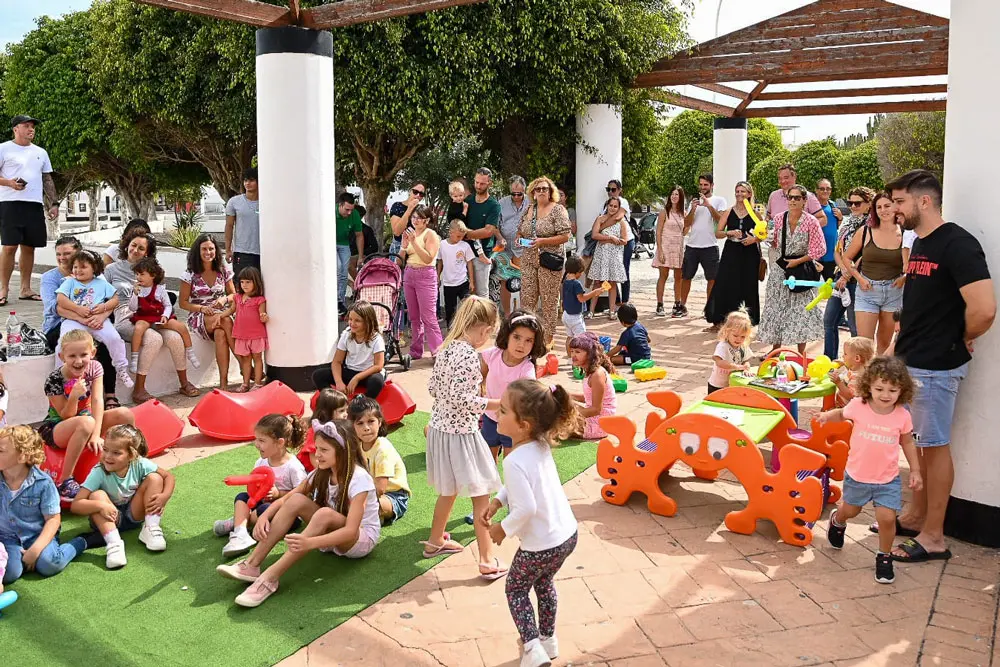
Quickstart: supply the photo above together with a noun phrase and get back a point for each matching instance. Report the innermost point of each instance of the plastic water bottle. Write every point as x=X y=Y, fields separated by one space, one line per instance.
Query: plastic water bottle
x=781 y=375
x=13 y=337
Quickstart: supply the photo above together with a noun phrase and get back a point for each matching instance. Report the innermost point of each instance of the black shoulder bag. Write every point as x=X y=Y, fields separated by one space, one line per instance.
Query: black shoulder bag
x=804 y=271
x=547 y=260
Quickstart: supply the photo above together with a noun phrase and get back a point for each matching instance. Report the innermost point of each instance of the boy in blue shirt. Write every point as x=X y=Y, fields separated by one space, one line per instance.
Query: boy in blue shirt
x=573 y=298
x=633 y=344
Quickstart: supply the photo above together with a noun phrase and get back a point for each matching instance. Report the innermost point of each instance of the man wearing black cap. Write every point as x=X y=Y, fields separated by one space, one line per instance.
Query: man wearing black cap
x=25 y=183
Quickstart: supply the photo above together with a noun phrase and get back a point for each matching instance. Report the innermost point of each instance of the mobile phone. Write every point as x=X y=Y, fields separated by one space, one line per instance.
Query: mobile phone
x=526 y=243
x=20 y=180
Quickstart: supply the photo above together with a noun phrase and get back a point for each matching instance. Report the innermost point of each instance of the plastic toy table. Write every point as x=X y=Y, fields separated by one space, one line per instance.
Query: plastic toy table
x=755 y=422
x=824 y=389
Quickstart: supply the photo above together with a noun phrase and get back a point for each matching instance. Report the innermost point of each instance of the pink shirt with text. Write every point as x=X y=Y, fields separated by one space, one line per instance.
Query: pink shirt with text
x=874 y=455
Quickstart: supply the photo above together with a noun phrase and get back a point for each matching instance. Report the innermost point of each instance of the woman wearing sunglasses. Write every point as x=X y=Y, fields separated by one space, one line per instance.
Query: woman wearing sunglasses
x=399 y=214
x=859 y=199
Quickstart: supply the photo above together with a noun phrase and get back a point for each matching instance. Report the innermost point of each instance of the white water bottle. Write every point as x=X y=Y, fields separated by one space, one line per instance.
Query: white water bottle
x=781 y=375
x=13 y=337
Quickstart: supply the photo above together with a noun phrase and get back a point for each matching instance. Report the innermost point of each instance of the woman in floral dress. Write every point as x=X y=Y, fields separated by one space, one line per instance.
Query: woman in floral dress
x=207 y=293
x=670 y=231
x=784 y=319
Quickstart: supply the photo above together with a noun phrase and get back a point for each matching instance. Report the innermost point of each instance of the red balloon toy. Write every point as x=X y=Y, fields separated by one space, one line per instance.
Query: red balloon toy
x=258 y=483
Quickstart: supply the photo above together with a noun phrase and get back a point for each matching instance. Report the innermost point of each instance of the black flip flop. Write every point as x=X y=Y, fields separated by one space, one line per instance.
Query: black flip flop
x=915 y=553
x=3 y=301
x=900 y=531
x=30 y=297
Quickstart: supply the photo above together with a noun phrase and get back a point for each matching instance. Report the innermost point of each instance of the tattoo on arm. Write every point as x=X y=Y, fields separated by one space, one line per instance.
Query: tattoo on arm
x=49 y=188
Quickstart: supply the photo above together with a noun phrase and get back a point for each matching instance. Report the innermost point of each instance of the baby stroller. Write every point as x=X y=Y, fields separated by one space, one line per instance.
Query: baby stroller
x=380 y=282
x=644 y=230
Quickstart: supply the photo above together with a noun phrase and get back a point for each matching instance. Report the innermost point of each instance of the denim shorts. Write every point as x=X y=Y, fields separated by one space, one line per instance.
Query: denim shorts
x=933 y=406
x=494 y=439
x=399 y=500
x=860 y=494
x=881 y=298
x=574 y=324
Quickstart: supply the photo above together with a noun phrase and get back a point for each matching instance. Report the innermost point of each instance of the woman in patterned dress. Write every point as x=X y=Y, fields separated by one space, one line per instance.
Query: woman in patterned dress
x=609 y=262
x=207 y=293
x=736 y=281
x=546 y=225
x=784 y=319
x=670 y=231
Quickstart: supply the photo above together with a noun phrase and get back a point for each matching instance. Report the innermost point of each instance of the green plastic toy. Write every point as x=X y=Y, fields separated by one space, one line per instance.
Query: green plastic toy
x=643 y=363
x=577 y=372
x=619 y=383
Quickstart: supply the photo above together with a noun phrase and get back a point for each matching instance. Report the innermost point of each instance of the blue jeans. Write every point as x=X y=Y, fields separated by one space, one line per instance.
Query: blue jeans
x=343 y=259
x=831 y=321
x=626 y=287
x=53 y=559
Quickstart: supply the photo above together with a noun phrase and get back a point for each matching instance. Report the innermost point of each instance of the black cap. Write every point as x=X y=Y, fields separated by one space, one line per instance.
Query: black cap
x=17 y=120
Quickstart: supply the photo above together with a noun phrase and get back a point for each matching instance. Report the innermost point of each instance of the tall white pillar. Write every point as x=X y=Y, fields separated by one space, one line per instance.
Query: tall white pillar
x=297 y=200
x=729 y=155
x=598 y=160
x=971 y=148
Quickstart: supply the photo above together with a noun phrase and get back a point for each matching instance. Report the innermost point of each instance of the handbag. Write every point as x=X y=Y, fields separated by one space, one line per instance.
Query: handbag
x=804 y=271
x=589 y=245
x=546 y=259
x=762 y=269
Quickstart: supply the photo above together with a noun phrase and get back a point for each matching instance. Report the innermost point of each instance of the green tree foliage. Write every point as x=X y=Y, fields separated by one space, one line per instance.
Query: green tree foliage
x=814 y=160
x=763 y=141
x=911 y=141
x=443 y=163
x=764 y=177
x=643 y=146
x=858 y=167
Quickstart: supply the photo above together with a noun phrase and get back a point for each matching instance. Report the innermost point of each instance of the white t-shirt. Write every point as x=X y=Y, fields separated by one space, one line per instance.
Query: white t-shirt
x=909 y=236
x=288 y=475
x=25 y=162
x=702 y=234
x=455 y=262
x=360 y=356
x=538 y=511
x=361 y=481
x=734 y=355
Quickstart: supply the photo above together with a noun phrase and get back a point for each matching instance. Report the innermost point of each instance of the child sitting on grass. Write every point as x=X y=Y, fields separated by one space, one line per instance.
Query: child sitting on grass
x=858 y=351
x=633 y=344
x=274 y=437
x=384 y=462
x=881 y=426
x=30 y=529
x=124 y=491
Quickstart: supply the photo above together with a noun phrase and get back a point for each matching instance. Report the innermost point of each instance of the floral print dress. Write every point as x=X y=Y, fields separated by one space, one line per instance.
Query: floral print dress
x=784 y=319
x=203 y=294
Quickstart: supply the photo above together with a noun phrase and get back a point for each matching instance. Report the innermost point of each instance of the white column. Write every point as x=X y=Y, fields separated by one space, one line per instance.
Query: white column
x=297 y=200
x=729 y=155
x=598 y=160
x=971 y=147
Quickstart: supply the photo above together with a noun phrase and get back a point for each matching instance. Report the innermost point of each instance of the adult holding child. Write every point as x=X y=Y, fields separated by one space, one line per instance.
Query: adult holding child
x=611 y=233
x=134 y=247
x=483 y=224
x=543 y=232
x=206 y=288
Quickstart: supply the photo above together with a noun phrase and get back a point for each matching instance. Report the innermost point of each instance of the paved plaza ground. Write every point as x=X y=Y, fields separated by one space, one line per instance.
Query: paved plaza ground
x=643 y=590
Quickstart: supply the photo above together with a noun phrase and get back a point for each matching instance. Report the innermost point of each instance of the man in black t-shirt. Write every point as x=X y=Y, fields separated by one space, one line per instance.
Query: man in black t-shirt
x=948 y=302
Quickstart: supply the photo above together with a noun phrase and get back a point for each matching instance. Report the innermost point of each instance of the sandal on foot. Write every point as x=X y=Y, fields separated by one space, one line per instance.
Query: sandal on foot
x=900 y=530
x=190 y=390
x=916 y=553
x=449 y=546
x=110 y=403
x=495 y=572
x=242 y=389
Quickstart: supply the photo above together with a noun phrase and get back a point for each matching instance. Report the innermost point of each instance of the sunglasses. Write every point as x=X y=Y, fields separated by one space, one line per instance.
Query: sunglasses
x=611 y=189
x=418 y=193
x=795 y=197
x=518 y=194
x=855 y=202
x=541 y=188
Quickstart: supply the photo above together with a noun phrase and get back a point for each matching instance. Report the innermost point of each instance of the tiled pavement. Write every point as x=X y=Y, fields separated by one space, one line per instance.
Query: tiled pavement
x=644 y=590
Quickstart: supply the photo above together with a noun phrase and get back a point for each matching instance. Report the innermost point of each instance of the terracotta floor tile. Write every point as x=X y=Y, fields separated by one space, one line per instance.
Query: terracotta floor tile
x=298 y=659
x=705 y=541
x=624 y=524
x=674 y=586
x=664 y=630
x=714 y=583
x=653 y=660
x=964 y=640
x=366 y=646
x=849 y=613
x=794 y=564
x=626 y=595
x=663 y=550
x=787 y=604
x=476 y=594
x=805 y=646
x=719 y=653
x=610 y=640
x=925 y=574
x=577 y=604
x=711 y=516
x=727 y=619
x=457 y=654
x=758 y=542
x=504 y=650
x=951 y=579
x=948 y=591
x=628 y=555
x=942 y=620
x=849 y=584
x=973 y=612
x=894 y=607
x=902 y=637
x=935 y=653
x=972 y=573
x=743 y=572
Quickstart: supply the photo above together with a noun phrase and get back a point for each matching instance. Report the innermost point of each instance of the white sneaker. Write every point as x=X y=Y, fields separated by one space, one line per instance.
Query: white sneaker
x=535 y=656
x=192 y=358
x=551 y=646
x=238 y=544
x=152 y=537
x=116 y=556
x=133 y=363
x=223 y=527
x=124 y=377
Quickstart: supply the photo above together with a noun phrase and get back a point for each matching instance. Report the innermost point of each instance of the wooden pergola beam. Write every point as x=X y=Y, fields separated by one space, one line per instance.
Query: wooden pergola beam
x=754 y=94
x=837 y=109
x=353 y=12
x=722 y=90
x=679 y=100
x=826 y=40
x=853 y=92
x=241 y=11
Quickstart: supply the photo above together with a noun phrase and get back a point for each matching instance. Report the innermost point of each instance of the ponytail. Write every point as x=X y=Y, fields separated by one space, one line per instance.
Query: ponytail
x=549 y=410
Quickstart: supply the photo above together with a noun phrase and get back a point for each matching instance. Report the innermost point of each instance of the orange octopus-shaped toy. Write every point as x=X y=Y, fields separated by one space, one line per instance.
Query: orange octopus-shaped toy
x=708 y=444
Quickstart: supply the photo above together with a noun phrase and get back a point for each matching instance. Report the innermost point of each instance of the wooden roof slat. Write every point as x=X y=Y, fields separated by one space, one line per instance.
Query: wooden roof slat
x=677 y=99
x=722 y=90
x=241 y=11
x=853 y=92
x=352 y=12
x=835 y=109
x=751 y=96
x=846 y=23
x=859 y=36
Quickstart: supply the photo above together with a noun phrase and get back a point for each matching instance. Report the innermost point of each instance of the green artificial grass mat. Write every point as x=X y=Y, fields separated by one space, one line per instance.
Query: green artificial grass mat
x=172 y=608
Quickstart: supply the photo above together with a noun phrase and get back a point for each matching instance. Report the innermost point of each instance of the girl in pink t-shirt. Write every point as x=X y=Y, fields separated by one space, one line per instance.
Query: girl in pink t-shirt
x=520 y=343
x=249 y=333
x=881 y=426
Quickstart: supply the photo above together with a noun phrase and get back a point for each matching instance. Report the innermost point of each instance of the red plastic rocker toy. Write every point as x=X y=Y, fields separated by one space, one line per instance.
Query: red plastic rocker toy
x=393 y=400
x=228 y=416
x=258 y=483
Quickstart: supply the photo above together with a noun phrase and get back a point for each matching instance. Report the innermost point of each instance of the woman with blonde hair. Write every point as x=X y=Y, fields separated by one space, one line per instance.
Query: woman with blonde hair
x=736 y=281
x=543 y=231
